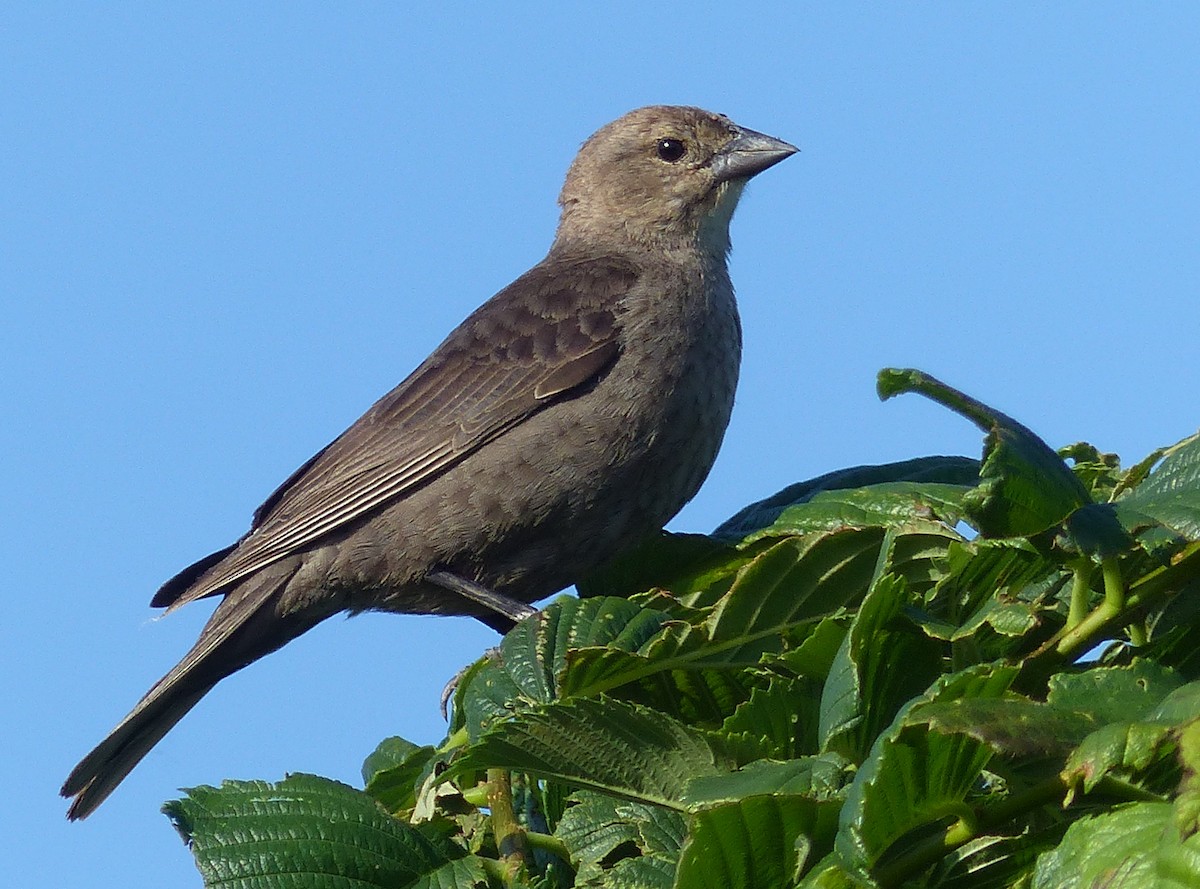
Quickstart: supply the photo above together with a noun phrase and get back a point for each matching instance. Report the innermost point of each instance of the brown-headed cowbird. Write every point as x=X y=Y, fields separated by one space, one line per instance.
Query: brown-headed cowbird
x=572 y=414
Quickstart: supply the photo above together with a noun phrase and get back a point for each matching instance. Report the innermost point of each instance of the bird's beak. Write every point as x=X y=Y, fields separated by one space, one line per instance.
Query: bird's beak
x=748 y=154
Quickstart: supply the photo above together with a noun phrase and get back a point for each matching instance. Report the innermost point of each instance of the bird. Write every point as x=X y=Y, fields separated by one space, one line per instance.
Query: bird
x=567 y=418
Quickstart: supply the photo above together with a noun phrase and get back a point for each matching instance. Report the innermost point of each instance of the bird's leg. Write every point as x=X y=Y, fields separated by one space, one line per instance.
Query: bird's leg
x=507 y=611
x=510 y=608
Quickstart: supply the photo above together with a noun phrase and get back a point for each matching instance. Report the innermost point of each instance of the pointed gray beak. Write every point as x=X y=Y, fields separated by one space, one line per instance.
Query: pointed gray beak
x=749 y=154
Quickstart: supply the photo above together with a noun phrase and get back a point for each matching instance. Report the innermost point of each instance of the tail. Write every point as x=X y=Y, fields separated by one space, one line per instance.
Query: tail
x=245 y=626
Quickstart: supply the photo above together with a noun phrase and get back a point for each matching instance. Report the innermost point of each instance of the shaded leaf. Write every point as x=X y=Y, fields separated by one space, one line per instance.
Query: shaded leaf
x=950 y=475
x=1134 y=847
x=599 y=744
x=1170 y=495
x=606 y=834
x=392 y=772
x=914 y=776
x=884 y=661
x=304 y=830
x=798 y=579
x=524 y=670
x=759 y=842
x=681 y=563
x=816 y=777
x=1024 y=486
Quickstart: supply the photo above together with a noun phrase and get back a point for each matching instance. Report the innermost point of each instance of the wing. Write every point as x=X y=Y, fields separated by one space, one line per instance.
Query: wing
x=548 y=335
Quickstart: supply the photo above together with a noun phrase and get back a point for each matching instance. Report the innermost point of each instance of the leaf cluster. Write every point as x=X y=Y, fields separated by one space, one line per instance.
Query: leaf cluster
x=936 y=673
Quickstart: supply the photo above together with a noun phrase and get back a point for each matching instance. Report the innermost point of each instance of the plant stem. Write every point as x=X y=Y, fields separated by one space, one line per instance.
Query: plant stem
x=1081 y=589
x=1151 y=589
x=1114 y=586
x=963 y=830
x=550 y=844
x=510 y=836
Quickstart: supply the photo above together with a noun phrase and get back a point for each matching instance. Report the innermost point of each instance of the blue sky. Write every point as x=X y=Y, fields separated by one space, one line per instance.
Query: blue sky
x=226 y=229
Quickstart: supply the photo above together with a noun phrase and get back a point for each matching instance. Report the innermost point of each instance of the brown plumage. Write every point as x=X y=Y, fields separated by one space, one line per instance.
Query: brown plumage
x=569 y=416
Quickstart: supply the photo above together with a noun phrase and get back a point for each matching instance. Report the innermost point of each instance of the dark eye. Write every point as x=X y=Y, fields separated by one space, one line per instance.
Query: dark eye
x=671 y=150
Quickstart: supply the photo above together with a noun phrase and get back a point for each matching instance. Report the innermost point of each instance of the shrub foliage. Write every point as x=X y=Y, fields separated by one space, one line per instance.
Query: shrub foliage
x=936 y=673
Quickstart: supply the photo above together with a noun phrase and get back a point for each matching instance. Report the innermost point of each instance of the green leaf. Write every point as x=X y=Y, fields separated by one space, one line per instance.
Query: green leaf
x=306 y=831
x=798 y=579
x=524 y=669
x=915 y=777
x=391 y=773
x=1126 y=748
x=1133 y=847
x=1025 y=487
x=681 y=563
x=884 y=661
x=922 y=488
x=995 y=862
x=901 y=506
x=611 y=840
x=1114 y=694
x=1179 y=706
x=599 y=744
x=1000 y=583
x=816 y=777
x=759 y=842
x=778 y=722
x=1171 y=494
x=1012 y=726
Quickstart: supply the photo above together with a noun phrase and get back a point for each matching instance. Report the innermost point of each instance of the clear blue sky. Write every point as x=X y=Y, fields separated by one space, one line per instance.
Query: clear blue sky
x=225 y=229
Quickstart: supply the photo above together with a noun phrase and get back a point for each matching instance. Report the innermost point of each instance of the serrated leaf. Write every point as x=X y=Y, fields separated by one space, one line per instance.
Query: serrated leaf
x=884 y=661
x=525 y=669
x=817 y=777
x=1128 y=748
x=1134 y=847
x=776 y=722
x=947 y=475
x=305 y=830
x=796 y=580
x=392 y=771
x=603 y=831
x=914 y=776
x=983 y=576
x=599 y=744
x=462 y=873
x=1114 y=694
x=1170 y=495
x=1025 y=487
x=759 y=842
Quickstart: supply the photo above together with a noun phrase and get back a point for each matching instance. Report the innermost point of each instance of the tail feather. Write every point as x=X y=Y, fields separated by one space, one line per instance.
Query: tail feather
x=99 y=773
x=244 y=627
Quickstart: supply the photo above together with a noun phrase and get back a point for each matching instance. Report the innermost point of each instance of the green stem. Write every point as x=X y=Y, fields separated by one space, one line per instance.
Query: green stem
x=476 y=796
x=550 y=844
x=510 y=836
x=458 y=739
x=962 y=831
x=1081 y=590
x=1149 y=590
x=1114 y=586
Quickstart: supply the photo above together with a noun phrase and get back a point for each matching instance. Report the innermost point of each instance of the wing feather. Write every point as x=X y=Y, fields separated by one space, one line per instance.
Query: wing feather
x=546 y=336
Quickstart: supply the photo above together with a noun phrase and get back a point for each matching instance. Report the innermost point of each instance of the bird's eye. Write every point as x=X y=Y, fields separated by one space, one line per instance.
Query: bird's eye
x=671 y=150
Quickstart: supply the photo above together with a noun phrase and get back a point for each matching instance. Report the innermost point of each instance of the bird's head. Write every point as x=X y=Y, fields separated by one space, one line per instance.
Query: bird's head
x=664 y=176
